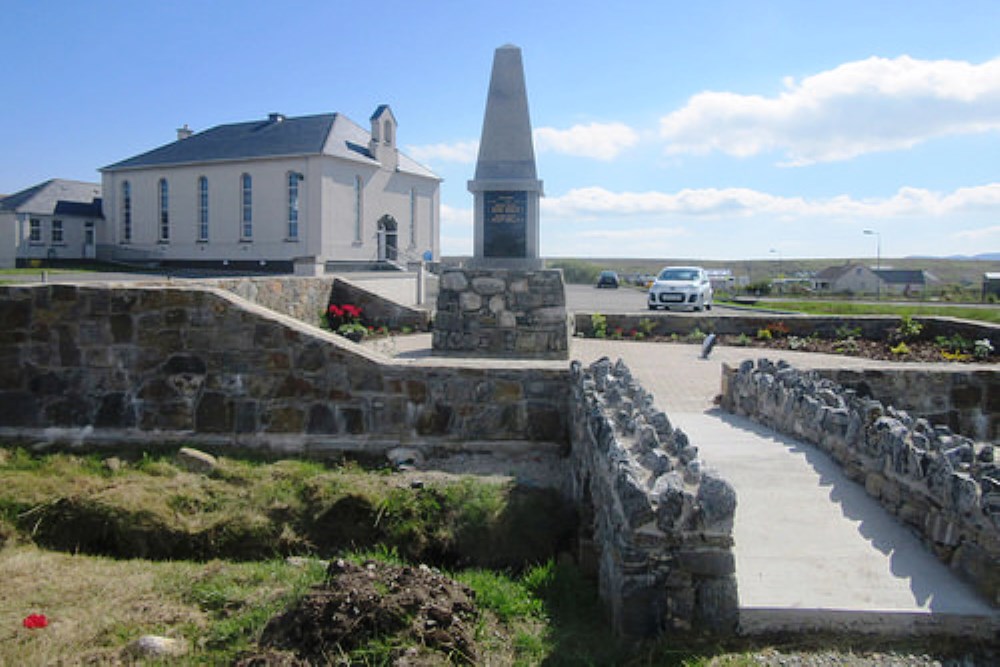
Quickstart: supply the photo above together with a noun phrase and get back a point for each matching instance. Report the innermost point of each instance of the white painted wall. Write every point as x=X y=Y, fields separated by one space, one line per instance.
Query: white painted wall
x=8 y=240
x=326 y=210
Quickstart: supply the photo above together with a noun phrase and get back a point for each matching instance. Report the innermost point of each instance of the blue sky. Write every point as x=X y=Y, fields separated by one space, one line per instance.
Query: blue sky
x=715 y=130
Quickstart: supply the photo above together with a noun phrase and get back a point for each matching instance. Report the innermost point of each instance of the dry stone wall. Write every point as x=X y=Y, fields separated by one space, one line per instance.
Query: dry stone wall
x=942 y=484
x=660 y=521
x=141 y=364
x=502 y=313
x=967 y=401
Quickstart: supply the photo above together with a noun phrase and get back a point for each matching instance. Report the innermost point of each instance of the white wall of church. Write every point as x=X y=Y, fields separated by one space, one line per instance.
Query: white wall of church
x=327 y=227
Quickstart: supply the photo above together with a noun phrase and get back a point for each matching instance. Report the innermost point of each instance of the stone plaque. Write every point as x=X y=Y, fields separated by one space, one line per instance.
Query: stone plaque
x=505 y=221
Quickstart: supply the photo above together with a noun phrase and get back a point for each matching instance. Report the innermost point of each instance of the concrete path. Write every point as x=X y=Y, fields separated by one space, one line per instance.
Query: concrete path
x=813 y=550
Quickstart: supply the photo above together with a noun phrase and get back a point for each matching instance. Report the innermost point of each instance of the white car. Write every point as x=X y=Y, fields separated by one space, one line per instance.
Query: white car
x=681 y=287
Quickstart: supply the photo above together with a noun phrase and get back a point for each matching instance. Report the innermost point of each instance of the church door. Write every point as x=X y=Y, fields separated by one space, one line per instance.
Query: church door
x=387 y=239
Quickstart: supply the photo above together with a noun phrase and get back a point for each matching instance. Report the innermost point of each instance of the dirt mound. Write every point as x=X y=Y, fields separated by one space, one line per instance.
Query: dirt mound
x=424 y=617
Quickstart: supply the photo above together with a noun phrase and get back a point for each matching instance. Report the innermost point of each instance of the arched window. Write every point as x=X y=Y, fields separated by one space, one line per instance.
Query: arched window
x=126 y=212
x=203 y=208
x=164 y=210
x=413 y=217
x=246 y=207
x=358 y=208
x=293 y=205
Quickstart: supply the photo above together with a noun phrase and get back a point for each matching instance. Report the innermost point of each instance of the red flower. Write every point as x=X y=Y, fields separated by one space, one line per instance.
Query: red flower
x=335 y=310
x=351 y=311
x=35 y=621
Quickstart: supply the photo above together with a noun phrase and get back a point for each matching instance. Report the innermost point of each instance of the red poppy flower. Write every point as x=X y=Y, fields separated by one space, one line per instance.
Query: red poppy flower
x=335 y=310
x=35 y=621
x=352 y=311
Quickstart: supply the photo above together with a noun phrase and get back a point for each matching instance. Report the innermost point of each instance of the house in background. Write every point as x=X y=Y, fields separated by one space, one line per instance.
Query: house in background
x=991 y=286
x=904 y=282
x=54 y=221
x=852 y=278
x=309 y=193
x=849 y=278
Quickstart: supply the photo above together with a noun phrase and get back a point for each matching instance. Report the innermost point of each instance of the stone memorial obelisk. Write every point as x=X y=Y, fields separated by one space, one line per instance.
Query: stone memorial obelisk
x=504 y=304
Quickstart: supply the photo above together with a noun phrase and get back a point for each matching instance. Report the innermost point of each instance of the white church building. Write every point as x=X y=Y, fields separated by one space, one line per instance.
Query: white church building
x=306 y=194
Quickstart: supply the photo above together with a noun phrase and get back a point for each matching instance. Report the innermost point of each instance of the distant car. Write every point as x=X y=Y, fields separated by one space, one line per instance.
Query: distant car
x=608 y=279
x=680 y=287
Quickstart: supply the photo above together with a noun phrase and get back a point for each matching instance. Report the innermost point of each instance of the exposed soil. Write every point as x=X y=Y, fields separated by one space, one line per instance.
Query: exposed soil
x=424 y=617
x=920 y=351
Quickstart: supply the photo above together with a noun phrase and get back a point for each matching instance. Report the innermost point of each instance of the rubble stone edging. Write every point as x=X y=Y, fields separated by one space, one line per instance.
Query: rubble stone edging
x=661 y=522
x=940 y=483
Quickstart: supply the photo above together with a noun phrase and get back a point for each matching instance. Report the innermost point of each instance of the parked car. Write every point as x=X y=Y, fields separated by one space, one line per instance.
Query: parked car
x=608 y=279
x=679 y=287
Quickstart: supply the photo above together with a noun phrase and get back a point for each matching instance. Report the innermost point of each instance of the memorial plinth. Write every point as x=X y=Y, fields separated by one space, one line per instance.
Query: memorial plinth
x=504 y=304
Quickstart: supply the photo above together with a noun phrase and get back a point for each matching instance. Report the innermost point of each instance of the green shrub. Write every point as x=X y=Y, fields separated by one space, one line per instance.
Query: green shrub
x=742 y=340
x=908 y=330
x=764 y=334
x=982 y=348
x=599 y=325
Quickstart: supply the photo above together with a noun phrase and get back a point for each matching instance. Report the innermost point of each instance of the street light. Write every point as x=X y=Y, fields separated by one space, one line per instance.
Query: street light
x=778 y=253
x=878 y=247
x=878 y=260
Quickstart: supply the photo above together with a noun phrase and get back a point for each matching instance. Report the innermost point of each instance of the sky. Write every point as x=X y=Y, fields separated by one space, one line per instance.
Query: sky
x=714 y=130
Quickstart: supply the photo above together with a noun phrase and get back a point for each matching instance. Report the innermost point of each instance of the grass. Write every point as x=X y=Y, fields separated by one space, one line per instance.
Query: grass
x=991 y=315
x=547 y=613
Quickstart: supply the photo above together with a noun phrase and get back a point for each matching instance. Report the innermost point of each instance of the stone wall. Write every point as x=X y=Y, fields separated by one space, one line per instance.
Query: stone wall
x=501 y=313
x=306 y=299
x=140 y=364
x=873 y=327
x=968 y=402
x=943 y=485
x=379 y=311
x=660 y=521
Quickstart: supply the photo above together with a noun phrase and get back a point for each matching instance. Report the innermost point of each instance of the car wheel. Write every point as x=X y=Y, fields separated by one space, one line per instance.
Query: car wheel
x=651 y=307
x=708 y=306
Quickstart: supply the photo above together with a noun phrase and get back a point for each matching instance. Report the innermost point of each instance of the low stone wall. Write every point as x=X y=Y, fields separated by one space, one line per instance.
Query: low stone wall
x=660 y=521
x=873 y=327
x=377 y=310
x=943 y=485
x=140 y=364
x=502 y=313
x=306 y=299
x=968 y=402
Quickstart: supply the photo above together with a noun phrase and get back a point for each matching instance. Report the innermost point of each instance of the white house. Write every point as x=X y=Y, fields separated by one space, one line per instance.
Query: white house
x=53 y=221
x=307 y=192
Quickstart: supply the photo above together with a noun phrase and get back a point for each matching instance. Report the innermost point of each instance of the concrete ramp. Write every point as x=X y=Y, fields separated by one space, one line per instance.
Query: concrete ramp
x=815 y=552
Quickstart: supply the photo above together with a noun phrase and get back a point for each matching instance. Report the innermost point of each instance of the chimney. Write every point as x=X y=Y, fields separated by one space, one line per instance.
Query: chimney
x=184 y=132
x=276 y=117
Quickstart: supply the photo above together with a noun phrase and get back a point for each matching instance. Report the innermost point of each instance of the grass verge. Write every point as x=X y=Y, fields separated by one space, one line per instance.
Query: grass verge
x=991 y=315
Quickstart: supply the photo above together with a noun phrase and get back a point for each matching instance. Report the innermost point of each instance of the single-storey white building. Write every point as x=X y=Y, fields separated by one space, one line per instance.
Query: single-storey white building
x=308 y=192
x=53 y=221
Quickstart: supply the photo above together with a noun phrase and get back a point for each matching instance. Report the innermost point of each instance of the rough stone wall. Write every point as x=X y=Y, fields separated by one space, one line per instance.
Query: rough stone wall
x=943 y=485
x=127 y=364
x=378 y=311
x=968 y=402
x=874 y=327
x=661 y=521
x=502 y=313
x=304 y=298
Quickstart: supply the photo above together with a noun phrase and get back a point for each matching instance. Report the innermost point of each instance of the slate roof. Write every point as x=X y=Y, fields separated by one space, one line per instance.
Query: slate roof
x=57 y=197
x=902 y=276
x=832 y=273
x=325 y=134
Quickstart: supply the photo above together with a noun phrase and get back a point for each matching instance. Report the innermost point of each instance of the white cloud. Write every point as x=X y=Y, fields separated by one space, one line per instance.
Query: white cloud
x=456 y=217
x=860 y=107
x=991 y=233
x=600 y=141
x=726 y=203
x=462 y=152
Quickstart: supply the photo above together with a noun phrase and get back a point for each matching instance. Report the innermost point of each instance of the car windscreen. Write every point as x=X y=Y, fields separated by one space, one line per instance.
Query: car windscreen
x=678 y=274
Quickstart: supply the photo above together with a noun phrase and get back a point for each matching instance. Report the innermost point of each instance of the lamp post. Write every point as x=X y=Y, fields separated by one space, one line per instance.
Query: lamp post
x=878 y=260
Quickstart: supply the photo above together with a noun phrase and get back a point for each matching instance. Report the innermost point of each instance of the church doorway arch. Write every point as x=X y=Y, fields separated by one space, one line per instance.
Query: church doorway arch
x=388 y=243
